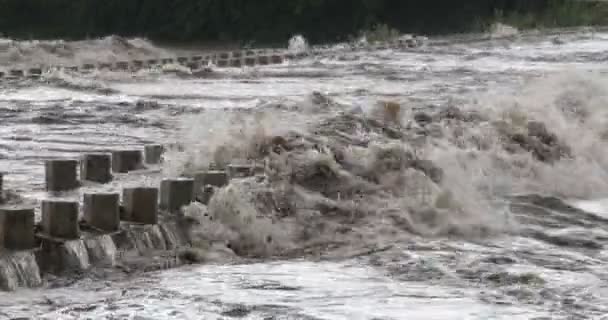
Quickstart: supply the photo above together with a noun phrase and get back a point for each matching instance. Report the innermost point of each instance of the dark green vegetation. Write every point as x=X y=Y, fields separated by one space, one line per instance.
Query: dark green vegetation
x=276 y=20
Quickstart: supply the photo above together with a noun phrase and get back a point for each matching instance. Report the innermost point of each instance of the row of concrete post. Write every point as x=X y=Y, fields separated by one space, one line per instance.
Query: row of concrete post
x=222 y=60
x=104 y=212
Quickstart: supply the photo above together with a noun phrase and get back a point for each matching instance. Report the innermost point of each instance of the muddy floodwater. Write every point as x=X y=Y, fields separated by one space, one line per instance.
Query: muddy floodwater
x=463 y=179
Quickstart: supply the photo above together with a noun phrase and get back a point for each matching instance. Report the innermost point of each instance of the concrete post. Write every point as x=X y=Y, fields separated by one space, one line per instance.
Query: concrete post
x=240 y=171
x=236 y=63
x=122 y=65
x=140 y=205
x=61 y=175
x=276 y=59
x=16 y=228
x=16 y=73
x=209 y=178
x=102 y=210
x=263 y=60
x=250 y=62
x=154 y=153
x=60 y=219
x=124 y=161
x=176 y=193
x=96 y=167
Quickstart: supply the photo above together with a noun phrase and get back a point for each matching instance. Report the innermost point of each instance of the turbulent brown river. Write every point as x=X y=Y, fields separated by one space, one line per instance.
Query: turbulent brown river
x=484 y=196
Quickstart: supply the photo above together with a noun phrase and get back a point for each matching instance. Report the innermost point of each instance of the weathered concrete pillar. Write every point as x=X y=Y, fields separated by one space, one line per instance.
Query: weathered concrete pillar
x=88 y=67
x=16 y=73
x=236 y=63
x=140 y=205
x=176 y=193
x=96 y=167
x=61 y=175
x=263 y=60
x=34 y=72
x=250 y=62
x=153 y=153
x=122 y=65
x=276 y=59
x=124 y=161
x=138 y=64
x=102 y=210
x=60 y=219
x=208 y=178
x=240 y=170
x=16 y=228
x=222 y=63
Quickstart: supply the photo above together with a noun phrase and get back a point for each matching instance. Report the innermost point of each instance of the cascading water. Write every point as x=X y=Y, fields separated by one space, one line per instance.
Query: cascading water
x=19 y=270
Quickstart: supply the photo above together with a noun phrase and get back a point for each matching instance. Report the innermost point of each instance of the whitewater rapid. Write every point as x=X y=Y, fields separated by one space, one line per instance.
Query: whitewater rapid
x=540 y=253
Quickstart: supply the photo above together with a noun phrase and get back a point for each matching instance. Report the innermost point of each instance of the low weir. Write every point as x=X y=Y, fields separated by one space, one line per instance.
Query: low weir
x=227 y=59
x=142 y=228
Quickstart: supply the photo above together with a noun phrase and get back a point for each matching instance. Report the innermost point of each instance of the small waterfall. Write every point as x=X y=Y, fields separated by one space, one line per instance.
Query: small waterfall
x=75 y=255
x=101 y=250
x=173 y=237
x=146 y=238
x=19 y=269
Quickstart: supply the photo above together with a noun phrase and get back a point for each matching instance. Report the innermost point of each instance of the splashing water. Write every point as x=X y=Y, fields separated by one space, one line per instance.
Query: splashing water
x=298 y=44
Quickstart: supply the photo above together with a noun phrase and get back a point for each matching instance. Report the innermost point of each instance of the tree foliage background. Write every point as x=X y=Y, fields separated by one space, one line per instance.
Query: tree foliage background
x=275 y=20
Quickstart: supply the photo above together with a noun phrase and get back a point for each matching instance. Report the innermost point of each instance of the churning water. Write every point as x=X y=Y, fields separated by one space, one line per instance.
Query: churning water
x=481 y=197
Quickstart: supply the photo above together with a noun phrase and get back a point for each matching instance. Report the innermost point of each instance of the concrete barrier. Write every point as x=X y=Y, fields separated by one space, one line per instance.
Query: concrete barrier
x=16 y=73
x=96 y=167
x=16 y=228
x=34 y=72
x=236 y=63
x=138 y=64
x=193 y=65
x=140 y=205
x=176 y=193
x=240 y=171
x=87 y=67
x=222 y=63
x=208 y=178
x=104 y=66
x=122 y=65
x=153 y=153
x=124 y=161
x=102 y=210
x=61 y=175
x=60 y=219
x=250 y=61
x=276 y=59
x=263 y=60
